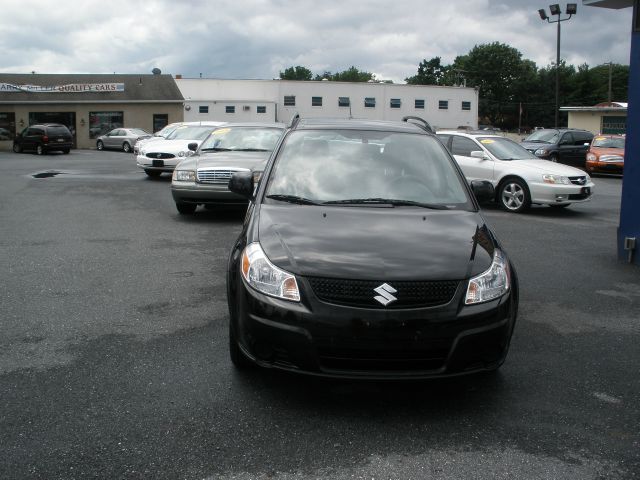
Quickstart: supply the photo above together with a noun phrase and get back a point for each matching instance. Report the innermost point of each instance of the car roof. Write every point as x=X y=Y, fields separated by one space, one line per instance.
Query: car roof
x=254 y=124
x=357 y=124
x=472 y=134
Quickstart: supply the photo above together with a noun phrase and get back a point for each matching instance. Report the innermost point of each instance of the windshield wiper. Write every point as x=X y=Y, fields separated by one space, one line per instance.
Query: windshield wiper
x=386 y=201
x=293 y=199
x=250 y=150
x=215 y=149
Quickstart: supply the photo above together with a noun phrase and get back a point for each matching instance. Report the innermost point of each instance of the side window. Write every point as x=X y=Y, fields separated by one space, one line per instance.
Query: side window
x=445 y=140
x=583 y=138
x=463 y=146
x=567 y=139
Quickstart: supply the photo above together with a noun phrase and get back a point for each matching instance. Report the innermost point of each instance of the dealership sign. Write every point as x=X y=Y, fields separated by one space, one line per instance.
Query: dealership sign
x=69 y=88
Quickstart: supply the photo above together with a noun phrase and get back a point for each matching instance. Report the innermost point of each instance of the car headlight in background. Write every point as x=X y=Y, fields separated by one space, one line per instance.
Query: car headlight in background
x=591 y=157
x=541 y=151
x=265 y=277
x=491 y=284
x=557 y=179
x=184 y=176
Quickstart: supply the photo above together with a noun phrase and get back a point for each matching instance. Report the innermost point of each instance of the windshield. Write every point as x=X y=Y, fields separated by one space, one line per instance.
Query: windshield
x=504 y=149
x=257 y=139
x=366 y=167
x=186 y=132
x=548 y=136
x=608 y=142
x=139 y=131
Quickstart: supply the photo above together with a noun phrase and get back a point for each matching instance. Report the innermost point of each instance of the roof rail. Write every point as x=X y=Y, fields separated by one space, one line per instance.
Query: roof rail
x=422 y=123
x=294 y=120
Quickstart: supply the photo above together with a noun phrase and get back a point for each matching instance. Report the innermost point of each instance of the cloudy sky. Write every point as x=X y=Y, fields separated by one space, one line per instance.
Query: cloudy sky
x=259 y=38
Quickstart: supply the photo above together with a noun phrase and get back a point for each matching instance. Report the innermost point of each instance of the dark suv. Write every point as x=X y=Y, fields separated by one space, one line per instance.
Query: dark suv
x=43 y=138
x=564 y=145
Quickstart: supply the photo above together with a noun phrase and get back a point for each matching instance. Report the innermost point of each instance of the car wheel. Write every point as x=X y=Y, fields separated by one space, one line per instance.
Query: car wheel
x=17 y=148
x=126 y=148
x=186 y=208
x=553 y=158
x=39 y=150
x=514 y=195
x=100 y=145
x=152 y=173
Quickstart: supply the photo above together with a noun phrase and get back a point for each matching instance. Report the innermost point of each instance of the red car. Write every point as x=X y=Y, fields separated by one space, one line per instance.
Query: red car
x=606 y=154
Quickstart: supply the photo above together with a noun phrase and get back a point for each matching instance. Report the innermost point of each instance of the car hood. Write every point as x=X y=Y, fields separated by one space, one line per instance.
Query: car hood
x=534 y=145
x=365 y=243
x=169 y=146
x=546 y=166
x=250 y=160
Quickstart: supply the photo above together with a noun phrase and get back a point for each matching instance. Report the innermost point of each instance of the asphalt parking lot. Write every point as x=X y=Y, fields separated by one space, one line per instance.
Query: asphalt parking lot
x=113 y=351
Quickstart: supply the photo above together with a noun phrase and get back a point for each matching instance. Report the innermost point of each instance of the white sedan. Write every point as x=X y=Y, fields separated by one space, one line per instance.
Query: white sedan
x=519 y=177
x=163 y=156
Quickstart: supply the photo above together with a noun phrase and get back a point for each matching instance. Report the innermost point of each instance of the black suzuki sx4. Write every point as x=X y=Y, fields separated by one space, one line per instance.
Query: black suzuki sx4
x=364 y=255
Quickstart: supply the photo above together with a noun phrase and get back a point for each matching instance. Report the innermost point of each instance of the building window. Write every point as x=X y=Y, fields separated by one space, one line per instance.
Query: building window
x=344 y=102
x=289 y=100
x=160 y=120
x=103 y=122
x=466 y=106
x=369 y=102
x=230 y=109
x=443 y=104
x=395 y=103
x=614 y=124
x=419 y=103
x=203 y=109
x=316 y=101
x=261 y=109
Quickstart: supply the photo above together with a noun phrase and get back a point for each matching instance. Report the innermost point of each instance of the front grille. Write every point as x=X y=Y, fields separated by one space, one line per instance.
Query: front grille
x=216 y=176
x=160 y=155
x=578 y=180
x=360 y=293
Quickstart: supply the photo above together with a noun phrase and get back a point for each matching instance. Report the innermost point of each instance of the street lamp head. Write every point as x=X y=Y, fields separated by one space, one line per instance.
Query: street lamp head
x=572 y=8
x=543 y=14
x=555 y=9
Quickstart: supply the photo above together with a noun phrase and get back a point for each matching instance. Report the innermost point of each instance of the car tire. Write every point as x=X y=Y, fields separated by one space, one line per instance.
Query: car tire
x=126 y=147
x=152 y=173
x=186 y=208
x=513 y=195
x=17 y=148
x=100 y=145
x=553 y=158
x=39 y=150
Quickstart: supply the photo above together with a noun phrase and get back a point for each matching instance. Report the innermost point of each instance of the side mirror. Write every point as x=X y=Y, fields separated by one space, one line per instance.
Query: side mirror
x=483 y=190
x=479 y=154
x=193 y=146
x=242 y=184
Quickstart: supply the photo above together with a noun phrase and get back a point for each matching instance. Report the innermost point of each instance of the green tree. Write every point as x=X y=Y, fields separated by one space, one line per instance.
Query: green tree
x=296 y=73
x=350 y=75
x=430 y=72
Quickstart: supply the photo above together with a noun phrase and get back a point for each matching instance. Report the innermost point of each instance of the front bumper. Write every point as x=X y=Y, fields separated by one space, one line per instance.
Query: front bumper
x=318 y=338
x=158 y=164
x=604 y=167
x=547 y=193
x=205 y=194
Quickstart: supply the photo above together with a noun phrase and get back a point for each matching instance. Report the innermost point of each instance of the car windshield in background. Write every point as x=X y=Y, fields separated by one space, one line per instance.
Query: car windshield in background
x=548 y=136
x=349 y=167
x=186 y=132
x=505 y=149
x=255 y=139
x=139 y=131
x=608 y=142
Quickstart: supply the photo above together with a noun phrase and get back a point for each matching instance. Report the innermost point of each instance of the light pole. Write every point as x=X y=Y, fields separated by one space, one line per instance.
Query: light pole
x=572 y=9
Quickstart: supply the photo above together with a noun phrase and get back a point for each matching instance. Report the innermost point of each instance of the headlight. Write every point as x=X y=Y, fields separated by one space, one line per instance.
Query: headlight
x=491 y=284
x=265 y=277
x=591 y=157
x=184 y=176
x=548 y=178
x=541 y=151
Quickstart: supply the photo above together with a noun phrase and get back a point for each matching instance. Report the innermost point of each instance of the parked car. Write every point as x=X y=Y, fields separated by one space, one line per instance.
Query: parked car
x=203 y=179
x=5 y=134
x=43 y=138
x=364 y=255
x=564 y=145
x=163 y=156
x=518 y=176
x=121 y=139
x=606 y=154
x=159 y=135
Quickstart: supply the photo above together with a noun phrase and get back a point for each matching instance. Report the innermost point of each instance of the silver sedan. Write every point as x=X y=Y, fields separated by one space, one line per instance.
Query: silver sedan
x=121 y=139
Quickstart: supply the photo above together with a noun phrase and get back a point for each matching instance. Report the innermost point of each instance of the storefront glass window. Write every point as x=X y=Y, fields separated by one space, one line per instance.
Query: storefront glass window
x=103 y=122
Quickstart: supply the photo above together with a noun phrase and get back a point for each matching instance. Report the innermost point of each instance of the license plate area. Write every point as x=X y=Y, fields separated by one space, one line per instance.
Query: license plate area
x=157 y=163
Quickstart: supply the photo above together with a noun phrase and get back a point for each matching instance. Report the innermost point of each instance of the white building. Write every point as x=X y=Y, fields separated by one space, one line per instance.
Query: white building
x=278 y=100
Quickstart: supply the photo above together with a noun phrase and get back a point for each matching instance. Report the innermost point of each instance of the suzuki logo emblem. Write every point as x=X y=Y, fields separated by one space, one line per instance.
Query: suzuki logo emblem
x=385 y=292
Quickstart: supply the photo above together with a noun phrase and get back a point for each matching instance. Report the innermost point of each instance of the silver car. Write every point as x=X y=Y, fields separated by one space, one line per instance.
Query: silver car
x=203 y=178
x=121 y=139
